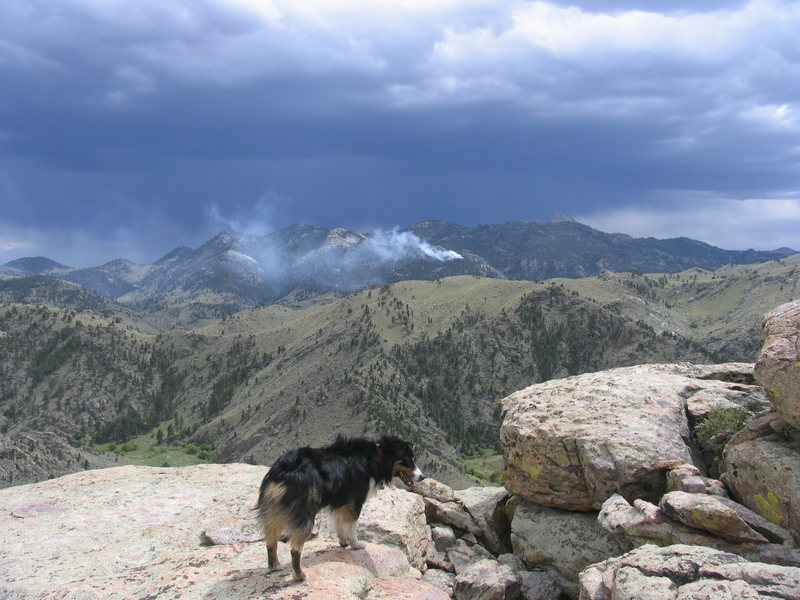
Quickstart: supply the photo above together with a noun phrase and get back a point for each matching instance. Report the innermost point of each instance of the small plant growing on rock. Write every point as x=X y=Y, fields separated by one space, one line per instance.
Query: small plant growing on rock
x=719 y=426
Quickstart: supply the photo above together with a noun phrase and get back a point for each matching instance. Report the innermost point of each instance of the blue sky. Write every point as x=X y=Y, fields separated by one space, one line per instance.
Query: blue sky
x=128 y=127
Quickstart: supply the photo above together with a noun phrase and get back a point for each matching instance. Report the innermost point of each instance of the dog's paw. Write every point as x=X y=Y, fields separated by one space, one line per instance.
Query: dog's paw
x=343 y=542
x=359 y=545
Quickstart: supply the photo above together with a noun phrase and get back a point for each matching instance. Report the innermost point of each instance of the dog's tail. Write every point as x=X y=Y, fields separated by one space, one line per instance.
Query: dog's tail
x=262 y=494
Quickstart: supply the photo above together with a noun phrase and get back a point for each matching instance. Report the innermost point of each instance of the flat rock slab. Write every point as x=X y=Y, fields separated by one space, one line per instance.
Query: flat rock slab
x=571 y=443
x=687 y=572
x=135 y=532
x=705 y=512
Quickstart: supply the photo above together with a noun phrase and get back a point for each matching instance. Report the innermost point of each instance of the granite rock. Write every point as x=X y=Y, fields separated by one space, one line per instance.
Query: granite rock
x=682 y=572
x=571 y=443
x=134 y=532
x=778 y=364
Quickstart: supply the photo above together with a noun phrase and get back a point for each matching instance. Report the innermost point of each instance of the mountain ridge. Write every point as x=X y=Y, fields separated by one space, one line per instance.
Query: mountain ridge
x=426 y=359
x=234 y=271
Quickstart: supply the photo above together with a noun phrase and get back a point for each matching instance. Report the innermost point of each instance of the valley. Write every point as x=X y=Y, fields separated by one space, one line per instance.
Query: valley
x=424 y=359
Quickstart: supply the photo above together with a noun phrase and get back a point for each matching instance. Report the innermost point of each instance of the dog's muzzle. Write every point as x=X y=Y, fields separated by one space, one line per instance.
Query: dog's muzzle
x=408 y=478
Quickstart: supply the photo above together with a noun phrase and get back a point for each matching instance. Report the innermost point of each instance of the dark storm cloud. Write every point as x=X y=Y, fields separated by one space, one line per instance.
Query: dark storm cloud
x=127 y=120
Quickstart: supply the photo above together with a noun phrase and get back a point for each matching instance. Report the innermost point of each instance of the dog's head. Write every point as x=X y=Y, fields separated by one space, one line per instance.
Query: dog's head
x=398 y=457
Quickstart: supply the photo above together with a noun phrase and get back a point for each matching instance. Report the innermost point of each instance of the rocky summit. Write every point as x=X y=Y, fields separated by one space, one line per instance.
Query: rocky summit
x=140 y=532
x=671 y=482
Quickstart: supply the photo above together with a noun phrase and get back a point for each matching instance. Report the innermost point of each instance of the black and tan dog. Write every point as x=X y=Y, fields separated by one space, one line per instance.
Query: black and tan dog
x=338 y=477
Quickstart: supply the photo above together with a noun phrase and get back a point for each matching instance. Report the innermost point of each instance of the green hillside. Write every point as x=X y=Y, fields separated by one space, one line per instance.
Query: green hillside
x=423 y=359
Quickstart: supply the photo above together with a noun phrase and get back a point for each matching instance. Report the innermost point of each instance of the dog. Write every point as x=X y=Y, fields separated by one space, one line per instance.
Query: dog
x=338 y=477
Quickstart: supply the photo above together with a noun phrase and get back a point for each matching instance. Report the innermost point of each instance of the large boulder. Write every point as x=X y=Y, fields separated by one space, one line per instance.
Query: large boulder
x=571 y=443
x=687 y=572
x=567 y=541
x=762 y=473
x=136 y=532
x=778 y=365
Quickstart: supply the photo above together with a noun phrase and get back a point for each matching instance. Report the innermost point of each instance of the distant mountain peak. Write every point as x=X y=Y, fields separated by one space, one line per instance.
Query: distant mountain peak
x=32 y=265
x=341 y=239
x=235 y=269
x=176 y=254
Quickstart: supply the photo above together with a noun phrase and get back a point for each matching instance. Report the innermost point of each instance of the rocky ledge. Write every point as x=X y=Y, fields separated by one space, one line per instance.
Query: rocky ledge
x=139 y=532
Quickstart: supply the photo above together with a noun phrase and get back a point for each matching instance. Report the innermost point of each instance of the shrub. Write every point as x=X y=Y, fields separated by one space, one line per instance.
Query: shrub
x=720 y=425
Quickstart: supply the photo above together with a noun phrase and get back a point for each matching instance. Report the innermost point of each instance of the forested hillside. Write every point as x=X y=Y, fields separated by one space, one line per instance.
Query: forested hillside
x=424 y=359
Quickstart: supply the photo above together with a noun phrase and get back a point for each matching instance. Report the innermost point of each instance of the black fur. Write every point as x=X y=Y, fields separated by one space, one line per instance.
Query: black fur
x=338 y=477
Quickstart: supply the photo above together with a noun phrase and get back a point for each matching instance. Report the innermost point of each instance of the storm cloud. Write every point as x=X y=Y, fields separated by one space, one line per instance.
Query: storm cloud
x=123 y=122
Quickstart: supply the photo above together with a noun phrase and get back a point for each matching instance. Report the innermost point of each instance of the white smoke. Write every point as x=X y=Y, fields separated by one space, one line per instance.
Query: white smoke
x=394 y=245
x=344 y=260
x=258 y=220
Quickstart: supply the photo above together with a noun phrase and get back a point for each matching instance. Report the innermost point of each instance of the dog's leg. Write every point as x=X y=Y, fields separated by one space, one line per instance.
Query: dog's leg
x=297 y=539
x=355 y=543
x=345 y=518
x=272 y=521
x=271 y=539
x=341 y=522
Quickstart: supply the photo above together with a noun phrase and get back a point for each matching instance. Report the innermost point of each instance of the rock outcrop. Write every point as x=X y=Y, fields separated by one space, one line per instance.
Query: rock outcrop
x=778 y=365
x=561 y=541
x=687 y=478
x=136 y=532
x=761 y=462
x=763 y=474
x=686 y=572
x=571 y=443
x=624 y=441
x=606 y=496
x=705 y=512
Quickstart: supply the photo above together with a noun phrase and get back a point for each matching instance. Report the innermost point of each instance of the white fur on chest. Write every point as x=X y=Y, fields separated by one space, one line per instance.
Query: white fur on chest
x=373 y=488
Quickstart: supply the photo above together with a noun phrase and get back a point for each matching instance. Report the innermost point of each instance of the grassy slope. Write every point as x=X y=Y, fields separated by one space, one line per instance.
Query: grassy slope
x=326 y=377
x=301 y=397
x=331 y=368
x=722 y=309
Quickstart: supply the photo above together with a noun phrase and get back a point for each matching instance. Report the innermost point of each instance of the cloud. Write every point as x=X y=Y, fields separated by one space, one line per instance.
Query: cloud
x=759 y=223
x=388 y=112
x=10 y=244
